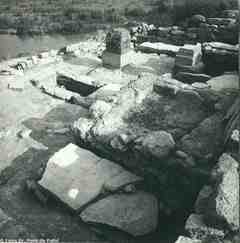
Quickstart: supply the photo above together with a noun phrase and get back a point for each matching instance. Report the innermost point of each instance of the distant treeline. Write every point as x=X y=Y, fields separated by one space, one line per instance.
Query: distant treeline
x=72 y=19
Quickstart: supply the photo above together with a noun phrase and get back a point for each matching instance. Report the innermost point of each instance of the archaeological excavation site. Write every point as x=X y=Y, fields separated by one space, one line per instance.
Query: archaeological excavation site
x=127 y=137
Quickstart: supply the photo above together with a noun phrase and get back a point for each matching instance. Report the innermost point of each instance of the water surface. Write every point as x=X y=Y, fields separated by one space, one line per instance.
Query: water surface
x=13 y=45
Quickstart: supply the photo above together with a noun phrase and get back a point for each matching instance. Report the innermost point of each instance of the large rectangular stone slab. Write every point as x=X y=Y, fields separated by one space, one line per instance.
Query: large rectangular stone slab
x=135 y=213
x=77 y=176
x=159 y=48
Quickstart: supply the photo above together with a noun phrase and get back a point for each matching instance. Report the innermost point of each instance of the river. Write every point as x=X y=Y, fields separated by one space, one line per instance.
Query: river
x=13 y=45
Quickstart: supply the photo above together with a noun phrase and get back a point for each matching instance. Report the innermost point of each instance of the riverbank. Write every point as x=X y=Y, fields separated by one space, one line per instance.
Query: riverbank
x=13 y=46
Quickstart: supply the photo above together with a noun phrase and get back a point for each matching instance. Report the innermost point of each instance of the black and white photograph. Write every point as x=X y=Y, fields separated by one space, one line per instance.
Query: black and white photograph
x=119 y=121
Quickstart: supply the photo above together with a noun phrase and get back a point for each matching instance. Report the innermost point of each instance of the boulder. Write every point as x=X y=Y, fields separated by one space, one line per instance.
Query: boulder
x=77 y=176
x=99 y=108
x=81 y=128
x=223 y=82
x=136 y=213
x=206 y=140
x=157 y=144
x=182 y=239
x=192 y=77
x=197 y=229
x=223 y=204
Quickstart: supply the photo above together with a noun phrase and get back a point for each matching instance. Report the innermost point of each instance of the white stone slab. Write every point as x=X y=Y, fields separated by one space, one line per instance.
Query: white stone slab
x=77 y=176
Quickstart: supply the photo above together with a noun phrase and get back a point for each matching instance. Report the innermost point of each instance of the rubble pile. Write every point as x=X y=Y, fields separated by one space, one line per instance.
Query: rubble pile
x=78 y=177
x=185 y=135
x=217 y=206
x=197 y=29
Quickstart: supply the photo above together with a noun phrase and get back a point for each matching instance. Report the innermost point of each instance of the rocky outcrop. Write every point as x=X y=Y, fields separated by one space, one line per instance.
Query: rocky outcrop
x=135 y=213
x=171 y=132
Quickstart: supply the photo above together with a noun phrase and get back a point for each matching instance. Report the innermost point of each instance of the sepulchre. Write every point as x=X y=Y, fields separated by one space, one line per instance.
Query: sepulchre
x=118 y=48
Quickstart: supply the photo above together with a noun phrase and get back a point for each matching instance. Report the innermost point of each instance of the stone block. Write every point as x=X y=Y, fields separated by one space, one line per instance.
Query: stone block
x=114 y=60
x=135 y=213
x=77 y=176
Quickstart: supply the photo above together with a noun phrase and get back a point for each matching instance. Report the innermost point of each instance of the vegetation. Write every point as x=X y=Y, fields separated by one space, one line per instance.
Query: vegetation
x=76 y=15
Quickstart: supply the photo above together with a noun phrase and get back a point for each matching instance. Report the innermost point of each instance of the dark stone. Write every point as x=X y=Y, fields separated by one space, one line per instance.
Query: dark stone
x=206 y=139
x=192 y=78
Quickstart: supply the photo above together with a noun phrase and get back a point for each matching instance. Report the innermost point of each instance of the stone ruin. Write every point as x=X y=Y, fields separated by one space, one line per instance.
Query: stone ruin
x=151 y=130
x=118 y=49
